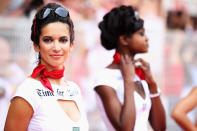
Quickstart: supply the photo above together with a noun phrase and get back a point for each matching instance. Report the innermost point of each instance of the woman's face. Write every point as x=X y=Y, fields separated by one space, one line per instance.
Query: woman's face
x=138 y=42
x=54 y=45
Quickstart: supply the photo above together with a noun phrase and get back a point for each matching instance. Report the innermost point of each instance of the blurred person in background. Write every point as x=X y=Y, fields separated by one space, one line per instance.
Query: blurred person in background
x=6 y=86
x=181 y=70
x=6 y=93
x=18 y=8
x=45 y=101
x=4 y=5
x=9 y=69
x=177 y=19
x=179 y=51
x=184 y=112
x=173 y=68
x=32 y=5
x=127 y=94
x=188 y=58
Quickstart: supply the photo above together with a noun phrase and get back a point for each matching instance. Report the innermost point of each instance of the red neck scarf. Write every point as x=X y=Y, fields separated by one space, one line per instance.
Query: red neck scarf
x=41 y=69
x=138 y=70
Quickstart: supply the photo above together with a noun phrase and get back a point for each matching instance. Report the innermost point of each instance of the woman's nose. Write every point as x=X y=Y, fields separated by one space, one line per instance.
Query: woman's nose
x=56 y=46
x=147 y=39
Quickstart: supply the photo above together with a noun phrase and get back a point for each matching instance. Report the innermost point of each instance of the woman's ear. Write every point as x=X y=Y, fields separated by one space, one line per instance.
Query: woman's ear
x=36 y=47
x=122 y=40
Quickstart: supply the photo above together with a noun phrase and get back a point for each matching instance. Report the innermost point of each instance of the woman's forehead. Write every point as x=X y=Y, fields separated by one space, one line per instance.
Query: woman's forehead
x=55 y=28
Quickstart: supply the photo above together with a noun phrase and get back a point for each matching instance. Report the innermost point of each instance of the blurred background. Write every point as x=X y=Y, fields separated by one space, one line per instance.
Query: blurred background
x=171 y=26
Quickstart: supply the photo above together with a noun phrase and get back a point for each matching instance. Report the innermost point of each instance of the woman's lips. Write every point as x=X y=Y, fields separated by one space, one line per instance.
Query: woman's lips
x=56 y=56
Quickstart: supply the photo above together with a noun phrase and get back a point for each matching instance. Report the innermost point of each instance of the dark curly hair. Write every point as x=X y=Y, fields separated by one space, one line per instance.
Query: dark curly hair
x=38 y=24
x=121 y=20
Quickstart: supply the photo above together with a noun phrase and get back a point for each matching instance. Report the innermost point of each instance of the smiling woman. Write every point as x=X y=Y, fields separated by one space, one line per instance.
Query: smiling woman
x=54 y=45
x=45 y=101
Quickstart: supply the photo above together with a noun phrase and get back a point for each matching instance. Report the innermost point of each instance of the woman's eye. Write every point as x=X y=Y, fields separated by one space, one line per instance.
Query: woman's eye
x=142 y=33
x=47 y=40
x=63 y=40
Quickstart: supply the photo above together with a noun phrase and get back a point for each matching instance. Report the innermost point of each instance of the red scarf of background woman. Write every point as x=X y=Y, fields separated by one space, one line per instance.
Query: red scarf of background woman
x=138 y=70
x=42 y=71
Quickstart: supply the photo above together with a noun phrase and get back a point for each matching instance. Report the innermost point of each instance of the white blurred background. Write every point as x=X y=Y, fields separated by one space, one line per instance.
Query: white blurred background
x=171 y=26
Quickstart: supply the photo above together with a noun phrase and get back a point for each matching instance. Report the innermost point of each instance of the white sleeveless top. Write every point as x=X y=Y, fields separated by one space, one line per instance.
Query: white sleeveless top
x=48 y=114
x=113 y=78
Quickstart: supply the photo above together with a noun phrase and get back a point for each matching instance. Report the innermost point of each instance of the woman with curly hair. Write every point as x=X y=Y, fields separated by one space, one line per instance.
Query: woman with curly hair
x=126 y=88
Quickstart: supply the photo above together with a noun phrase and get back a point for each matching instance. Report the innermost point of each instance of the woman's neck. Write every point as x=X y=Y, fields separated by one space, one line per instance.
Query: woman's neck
x=51 y=68
x=54 y=68
x=132 y=55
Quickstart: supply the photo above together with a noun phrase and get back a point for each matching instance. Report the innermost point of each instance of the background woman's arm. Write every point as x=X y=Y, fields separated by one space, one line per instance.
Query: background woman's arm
x=179 y=113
